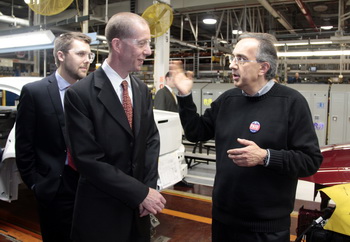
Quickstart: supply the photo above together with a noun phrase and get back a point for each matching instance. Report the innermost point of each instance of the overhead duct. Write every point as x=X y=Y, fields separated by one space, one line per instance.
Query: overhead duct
x=13 y=20
x=172 y=40
x=306 y=13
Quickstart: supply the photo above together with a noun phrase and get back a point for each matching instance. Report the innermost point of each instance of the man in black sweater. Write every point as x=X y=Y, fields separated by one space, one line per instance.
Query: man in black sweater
x=265 y=140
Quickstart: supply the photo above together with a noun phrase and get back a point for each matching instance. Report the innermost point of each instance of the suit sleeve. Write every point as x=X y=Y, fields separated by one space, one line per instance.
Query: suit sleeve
x=152 y=150
x=25 y=137
x=159 y=100
x=91 y=159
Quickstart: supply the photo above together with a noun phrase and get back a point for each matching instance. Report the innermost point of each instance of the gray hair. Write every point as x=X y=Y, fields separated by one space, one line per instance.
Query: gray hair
x=266 y=52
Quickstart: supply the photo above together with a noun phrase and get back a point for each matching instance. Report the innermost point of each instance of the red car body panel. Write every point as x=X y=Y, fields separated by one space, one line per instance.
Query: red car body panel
x=335 y=168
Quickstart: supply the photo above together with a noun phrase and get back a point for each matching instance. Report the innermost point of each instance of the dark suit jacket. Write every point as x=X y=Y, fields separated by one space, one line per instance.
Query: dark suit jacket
x=164 y=100
x=117 y=165
x=40 y=142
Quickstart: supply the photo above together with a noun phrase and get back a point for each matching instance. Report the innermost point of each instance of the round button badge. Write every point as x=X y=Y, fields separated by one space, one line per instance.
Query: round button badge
x=254 y=127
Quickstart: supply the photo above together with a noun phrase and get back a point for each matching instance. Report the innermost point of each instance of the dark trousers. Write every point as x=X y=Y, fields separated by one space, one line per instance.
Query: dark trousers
x=222 y=232
x=56 y=216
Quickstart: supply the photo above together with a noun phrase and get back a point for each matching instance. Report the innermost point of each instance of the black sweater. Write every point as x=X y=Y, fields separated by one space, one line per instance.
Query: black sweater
x=259 y=198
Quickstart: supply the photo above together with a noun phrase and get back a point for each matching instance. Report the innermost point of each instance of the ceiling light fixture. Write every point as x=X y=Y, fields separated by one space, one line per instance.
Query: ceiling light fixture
x=327 y=24
x=320 y=42
x=293 y=43
x=320 y=8
x=209 y=20
x=327 y=27
x=38 y=40
x=26 y=39
x=304 y=42
x=236 y=31
x=314 y=53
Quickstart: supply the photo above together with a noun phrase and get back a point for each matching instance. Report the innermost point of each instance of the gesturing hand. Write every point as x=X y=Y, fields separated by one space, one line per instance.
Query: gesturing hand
x=183 y=81
x=250 y=155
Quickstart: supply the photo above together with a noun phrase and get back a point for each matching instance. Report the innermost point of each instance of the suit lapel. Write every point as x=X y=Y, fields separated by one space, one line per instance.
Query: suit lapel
x=110 y=99
x=55 y=97
x=168 y=93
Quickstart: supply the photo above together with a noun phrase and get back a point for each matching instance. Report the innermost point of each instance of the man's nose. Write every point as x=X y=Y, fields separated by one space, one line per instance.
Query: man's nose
x=233 y=65
x=148 y=50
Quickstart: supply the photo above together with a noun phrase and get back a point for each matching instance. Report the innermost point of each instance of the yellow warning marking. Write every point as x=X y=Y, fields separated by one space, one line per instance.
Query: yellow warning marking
x=187 y=216
x=197 y=218
x=18 y=233
x=187 y=195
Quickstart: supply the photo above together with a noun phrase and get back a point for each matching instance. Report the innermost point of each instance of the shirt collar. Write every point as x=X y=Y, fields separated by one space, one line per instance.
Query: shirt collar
x=169 y=88
x=113 y=75
x=62 y=83
x=263 y=90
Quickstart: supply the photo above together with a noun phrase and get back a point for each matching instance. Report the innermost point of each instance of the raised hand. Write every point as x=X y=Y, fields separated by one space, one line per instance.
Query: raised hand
x=183 y=81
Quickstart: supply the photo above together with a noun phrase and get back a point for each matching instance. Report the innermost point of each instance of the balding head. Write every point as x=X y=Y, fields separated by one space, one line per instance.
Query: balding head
x=122 y=25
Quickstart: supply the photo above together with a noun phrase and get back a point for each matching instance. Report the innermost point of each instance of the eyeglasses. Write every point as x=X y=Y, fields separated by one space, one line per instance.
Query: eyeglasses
x=83 y=54
x=239 y=60
x=140 y=43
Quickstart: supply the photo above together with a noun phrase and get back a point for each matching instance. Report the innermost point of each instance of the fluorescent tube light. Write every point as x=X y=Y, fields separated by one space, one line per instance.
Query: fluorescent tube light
x=314 y=53
x=320 y=42
x=26 y=39
x=29 y=38
x=305 y=42
x=292 y=43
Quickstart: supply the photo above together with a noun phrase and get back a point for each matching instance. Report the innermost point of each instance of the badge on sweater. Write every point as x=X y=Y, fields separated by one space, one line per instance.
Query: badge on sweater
x=254 y=127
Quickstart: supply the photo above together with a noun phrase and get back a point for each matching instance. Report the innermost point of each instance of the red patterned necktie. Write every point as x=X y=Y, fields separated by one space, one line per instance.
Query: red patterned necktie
x=127 y=102
x=70 y=160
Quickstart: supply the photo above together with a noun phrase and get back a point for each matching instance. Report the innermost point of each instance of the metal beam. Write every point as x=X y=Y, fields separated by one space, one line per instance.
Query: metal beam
x=75 y=19
x=13 y=20
x=277 y=16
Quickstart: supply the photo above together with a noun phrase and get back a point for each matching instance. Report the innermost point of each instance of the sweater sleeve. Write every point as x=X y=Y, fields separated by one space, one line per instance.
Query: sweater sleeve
x=197 y=128
x=303 y=156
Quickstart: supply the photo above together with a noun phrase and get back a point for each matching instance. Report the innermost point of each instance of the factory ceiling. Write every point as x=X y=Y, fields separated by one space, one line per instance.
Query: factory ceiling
x=286 y=19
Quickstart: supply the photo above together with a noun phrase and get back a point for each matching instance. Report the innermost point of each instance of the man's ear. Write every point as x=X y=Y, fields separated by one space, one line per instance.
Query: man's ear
x=116 y=44
x=60 y=56
x=264 y=68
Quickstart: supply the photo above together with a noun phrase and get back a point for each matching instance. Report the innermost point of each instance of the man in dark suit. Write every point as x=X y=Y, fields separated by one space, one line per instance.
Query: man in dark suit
x=41 y=140
x=165 y=98
x=116 y=157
